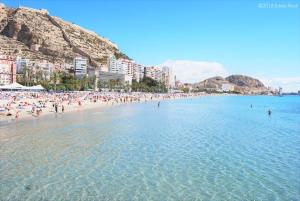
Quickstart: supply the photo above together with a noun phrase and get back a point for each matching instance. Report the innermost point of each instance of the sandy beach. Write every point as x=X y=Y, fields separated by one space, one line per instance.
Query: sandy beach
x=30 y=105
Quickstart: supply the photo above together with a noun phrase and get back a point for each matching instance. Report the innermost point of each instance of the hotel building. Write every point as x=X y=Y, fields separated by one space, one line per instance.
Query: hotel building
x=137 y=71
x=21 y=63
x=7 y=70
x=80 y=66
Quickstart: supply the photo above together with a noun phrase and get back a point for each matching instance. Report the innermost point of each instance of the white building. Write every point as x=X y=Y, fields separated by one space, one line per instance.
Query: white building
x=125 y=67
x=136 y=72
x=108 y=76
x=167 y=77
x=112 y=64
x=21 y=64
x=47 y=68
x=7 y=71
x=154 y=73
x=80 y=66
x=227 y=87
x=150 y=72
x=141 y=72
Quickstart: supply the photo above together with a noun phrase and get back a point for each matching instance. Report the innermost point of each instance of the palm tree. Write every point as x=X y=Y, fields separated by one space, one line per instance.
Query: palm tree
x=55 y=78
x=39 y=75
x=96 y=79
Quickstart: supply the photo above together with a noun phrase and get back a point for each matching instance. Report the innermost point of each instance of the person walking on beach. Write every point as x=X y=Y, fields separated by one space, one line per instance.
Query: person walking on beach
x=33 y=109
x=17 y=114
x=62 y=108
x=56 y=108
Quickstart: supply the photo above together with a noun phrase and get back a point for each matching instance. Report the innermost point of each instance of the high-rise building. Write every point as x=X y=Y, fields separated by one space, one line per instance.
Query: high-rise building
x=136 y=74
x=7 y=71
x=46 y=68
x=21 y=63
x=141 y=72
x=137 y=71
x=125 y=67
x=167 y=77
x=150 y=72
x=80 y=66
x=154 y=73
x=112 y=65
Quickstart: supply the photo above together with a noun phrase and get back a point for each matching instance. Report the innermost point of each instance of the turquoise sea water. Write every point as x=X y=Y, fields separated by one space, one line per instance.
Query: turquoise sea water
x=208 y=148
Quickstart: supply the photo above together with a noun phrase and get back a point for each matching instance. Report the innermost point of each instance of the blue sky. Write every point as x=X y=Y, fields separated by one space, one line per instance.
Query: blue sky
x=242 y=37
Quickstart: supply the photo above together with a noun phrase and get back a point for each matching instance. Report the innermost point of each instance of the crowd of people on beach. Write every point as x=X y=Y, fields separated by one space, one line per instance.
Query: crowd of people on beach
x=13 y=104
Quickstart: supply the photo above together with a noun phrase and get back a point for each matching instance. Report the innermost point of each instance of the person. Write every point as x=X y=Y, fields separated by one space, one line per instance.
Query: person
x=17 y=114
x=158 y=104
x=269 y=112
x=62 y=108
x=33 y=109
x=56 y=107
x=251 y=106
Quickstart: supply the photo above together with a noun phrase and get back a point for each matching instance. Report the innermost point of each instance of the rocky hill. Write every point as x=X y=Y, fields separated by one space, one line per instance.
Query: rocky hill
x=242 y=84
x=244 y=81
x=35 y=34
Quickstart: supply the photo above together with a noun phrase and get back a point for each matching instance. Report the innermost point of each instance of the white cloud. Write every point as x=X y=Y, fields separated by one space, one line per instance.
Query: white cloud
x=288 y=84
x=195 y=71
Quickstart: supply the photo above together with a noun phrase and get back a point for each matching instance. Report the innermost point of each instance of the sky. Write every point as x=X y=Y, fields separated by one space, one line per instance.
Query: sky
x=198 y=39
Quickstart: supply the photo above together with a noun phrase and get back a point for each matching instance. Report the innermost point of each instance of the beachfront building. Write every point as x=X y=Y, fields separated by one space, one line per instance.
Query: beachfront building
x=113 y=65
x=80 y=66
x=7 y=70
x=21 y=64
x=136 y=72
x=141 y=76
x=44 y=68
x=167 y=77
x=109 y=76
x=154 y=73
x=150 y=72
x=125 y=67
x=227 y=87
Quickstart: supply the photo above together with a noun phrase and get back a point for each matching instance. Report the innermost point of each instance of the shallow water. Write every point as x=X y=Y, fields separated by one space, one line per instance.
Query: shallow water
x=208 y=148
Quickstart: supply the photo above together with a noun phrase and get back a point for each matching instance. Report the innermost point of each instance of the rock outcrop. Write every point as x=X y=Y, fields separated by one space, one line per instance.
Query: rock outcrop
x=241 y=84
x=212 y=83
x=35 y=34
x=244 y=81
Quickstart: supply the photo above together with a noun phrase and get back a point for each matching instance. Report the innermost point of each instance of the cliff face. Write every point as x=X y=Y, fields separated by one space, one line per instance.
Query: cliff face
x=34 y=33
x=242 y=84
x=244 y=81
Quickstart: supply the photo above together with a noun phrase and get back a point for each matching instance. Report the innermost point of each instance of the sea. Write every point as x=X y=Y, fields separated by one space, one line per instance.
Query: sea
x=206 y=148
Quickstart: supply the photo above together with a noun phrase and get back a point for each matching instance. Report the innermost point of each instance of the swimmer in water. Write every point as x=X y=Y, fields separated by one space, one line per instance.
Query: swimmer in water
x=158 y=104
x=269 y=112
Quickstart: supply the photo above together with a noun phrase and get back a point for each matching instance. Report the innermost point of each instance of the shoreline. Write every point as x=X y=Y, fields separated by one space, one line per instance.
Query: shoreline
x=26 y=114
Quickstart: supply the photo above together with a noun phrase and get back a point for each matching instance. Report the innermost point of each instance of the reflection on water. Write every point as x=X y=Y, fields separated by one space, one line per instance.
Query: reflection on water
x=210 y=148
